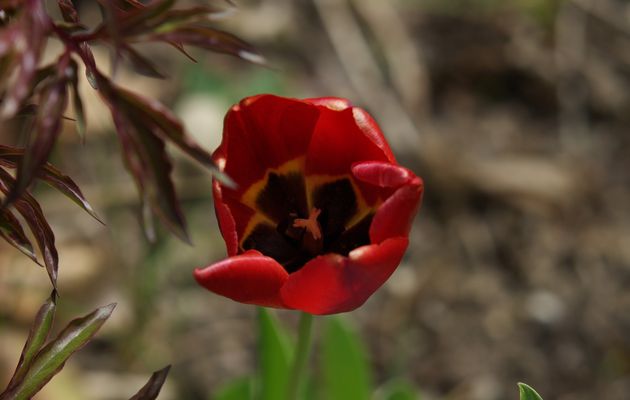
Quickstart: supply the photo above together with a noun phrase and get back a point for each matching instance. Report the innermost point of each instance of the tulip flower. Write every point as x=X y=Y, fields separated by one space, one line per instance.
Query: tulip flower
x=321 y=212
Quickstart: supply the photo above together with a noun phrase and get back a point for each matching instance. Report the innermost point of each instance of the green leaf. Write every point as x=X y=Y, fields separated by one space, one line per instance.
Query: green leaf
x=345 y=367
x=240 y=389
x=151 y=390
x=36 y=339
x=399 y=389
x=51 y=359
x=275 y=357
x=527 y=392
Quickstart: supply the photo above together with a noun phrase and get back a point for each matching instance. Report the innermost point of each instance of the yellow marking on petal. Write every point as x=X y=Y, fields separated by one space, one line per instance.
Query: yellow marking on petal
x=256 y=219
x=363 y=209
x=251 y=194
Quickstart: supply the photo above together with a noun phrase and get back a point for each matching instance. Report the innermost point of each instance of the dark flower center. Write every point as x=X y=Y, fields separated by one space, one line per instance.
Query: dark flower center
x=295 y=233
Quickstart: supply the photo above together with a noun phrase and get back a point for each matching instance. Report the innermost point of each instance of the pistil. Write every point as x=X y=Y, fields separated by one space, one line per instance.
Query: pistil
x=310 y=223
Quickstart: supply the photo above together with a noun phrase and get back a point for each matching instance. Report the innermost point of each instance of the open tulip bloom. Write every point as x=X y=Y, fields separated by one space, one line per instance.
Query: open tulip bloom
x=321 y=212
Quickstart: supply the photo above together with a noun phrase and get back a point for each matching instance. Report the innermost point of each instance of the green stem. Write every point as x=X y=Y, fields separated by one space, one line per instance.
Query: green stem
x=301 y=355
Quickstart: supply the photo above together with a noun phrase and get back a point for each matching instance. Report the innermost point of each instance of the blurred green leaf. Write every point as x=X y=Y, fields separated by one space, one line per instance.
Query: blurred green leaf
x=51 y=359
x=399 y=389
x=36 y=338
x=275 y=357
x=527 y=392
x=151 y=390
x=344 y=364
x=239 y=389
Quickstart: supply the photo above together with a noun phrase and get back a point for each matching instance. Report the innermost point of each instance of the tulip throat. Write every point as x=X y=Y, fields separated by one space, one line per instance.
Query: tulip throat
x=298 y=218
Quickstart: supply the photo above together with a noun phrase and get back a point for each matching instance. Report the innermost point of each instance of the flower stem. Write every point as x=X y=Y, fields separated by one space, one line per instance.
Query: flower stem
x=301 y=355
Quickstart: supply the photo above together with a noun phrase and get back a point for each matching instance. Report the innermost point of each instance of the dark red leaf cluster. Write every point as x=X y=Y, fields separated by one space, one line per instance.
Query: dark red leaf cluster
x=30 y=211
x=144 y=126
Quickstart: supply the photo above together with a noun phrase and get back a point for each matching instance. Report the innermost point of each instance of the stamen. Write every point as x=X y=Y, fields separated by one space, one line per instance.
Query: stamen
x=310 y=224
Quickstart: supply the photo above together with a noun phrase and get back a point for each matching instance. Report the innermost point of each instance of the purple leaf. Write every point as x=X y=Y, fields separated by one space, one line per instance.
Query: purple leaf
x=11 y=230
x=68 y=11
x=162 y=122
x=32 y=25
x=10 y=157
x=139 y=63
x=151 y=390
x=32 y=213
x=210 y=39
x=147 y=160
x=48 y=122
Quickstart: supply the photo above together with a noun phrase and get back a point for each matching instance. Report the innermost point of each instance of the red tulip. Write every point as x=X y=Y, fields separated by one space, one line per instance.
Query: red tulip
x=322 y=212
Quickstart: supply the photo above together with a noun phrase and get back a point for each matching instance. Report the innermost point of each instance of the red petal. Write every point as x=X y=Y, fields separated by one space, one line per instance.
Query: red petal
x=332 y=283
x=340 y=140
x=394 y=217
x=264 y=132
x=227 y=222
x=247 y=278
x=334 y=103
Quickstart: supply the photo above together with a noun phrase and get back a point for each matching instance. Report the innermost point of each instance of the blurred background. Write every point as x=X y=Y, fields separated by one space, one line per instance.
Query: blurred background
x=515 y=113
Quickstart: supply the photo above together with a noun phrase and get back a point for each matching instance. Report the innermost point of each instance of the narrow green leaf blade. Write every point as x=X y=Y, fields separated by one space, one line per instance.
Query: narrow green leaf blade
x=345 y=367
x=275 y=357
x=151 y=390
x=527 y=392
x=51 y=359
x=36 y=338
x=240 y=389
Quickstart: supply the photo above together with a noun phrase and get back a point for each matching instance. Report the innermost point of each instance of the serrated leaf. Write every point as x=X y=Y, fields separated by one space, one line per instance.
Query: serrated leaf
x=345 y=368
x=151 y=390
x=11 y=230
x=527 y=392
x=32 y=213
x=51 y=359
x=36 y=338
x=240 y=389
x=275 y=357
